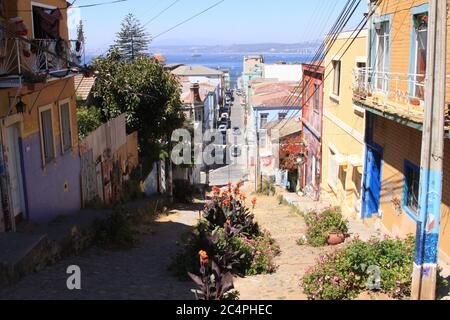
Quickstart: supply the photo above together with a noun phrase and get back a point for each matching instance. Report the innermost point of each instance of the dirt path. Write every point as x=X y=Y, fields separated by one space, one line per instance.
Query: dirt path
x=139 y=273
x=286 y=227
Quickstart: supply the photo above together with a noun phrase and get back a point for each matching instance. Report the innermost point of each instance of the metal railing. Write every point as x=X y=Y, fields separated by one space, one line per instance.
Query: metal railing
x=39 y=57
x=402 y=93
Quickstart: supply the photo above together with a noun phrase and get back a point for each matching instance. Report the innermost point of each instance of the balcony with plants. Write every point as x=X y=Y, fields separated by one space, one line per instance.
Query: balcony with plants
x=399 y=96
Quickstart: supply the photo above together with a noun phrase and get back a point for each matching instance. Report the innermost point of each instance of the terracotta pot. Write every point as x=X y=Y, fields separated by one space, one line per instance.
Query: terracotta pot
x=335 y=238
x=415 y=102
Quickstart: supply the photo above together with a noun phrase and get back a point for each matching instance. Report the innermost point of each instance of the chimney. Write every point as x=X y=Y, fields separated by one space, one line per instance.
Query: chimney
x=195 y=94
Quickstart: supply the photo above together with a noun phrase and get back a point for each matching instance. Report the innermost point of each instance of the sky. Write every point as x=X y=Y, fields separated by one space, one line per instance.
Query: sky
x=231 y=22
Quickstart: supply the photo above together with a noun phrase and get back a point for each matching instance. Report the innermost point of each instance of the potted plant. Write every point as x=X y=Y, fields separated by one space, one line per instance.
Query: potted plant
x=415 y=101
x=335 y=237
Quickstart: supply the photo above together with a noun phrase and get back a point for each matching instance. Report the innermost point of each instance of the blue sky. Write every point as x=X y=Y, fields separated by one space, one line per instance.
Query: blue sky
x=234 y=21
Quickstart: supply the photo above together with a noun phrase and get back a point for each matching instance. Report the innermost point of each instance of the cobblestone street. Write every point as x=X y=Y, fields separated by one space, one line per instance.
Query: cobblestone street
x=286 y=228
x=140 y=273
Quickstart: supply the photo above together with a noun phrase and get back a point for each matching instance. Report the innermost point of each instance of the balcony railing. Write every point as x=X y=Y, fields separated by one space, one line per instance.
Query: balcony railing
x=36 y=61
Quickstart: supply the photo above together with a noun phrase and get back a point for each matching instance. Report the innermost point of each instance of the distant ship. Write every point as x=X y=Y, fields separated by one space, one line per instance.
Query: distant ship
x=196 y=55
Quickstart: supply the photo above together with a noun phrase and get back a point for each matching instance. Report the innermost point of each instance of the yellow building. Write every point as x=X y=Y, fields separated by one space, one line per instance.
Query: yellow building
x=343 y=125
x=391 y=90
x=39 y=140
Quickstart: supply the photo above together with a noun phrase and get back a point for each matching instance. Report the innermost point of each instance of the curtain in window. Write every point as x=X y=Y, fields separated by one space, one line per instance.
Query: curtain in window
x=48 y=22
x=47 y=134
x=65 y=127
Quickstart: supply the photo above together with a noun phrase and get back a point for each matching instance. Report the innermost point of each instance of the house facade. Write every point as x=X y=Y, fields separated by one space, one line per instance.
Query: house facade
x=343 y=126
x=40 y=162
x=310 y=171
x=252 y=69
x=391 y=91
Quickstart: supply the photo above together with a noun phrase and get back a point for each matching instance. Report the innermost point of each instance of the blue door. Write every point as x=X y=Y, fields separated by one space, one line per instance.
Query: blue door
x=372 y=182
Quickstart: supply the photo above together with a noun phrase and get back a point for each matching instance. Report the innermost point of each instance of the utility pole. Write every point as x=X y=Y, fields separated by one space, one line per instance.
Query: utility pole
x=427 y=243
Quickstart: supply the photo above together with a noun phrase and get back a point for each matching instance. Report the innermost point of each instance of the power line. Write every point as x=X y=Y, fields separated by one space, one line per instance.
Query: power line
x=160 y=13
x=362 y=25
x=342 y=20
x=188 y=19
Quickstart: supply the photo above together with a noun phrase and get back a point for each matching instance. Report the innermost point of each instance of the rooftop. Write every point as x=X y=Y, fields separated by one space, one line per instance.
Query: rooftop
x=196 y=70
x=84 y=86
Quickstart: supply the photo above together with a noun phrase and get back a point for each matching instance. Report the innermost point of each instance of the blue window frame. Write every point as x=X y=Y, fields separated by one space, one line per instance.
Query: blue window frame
x=411 y=186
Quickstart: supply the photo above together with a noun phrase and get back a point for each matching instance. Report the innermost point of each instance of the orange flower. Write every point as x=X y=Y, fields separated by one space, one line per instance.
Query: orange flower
x=225 y=202
x=229 y=186
x=243 y=197
x=216 y=190
x=237 y=191
x=239 y=184
x=254 y=202
x=203 y=257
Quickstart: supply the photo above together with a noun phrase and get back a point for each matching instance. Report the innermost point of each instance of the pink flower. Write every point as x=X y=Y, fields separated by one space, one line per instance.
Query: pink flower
x=336 y=279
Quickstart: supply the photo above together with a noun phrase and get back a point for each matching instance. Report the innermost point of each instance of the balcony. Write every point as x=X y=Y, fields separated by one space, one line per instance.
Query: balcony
x=397 y=96
x=38 y=61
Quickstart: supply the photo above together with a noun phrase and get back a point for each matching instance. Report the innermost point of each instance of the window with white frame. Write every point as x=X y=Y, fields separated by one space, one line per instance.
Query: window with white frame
x=66 y=132
x=47 y=140
x=382 y=49
x=420 y=59
x=263 y=120
x=336 y=78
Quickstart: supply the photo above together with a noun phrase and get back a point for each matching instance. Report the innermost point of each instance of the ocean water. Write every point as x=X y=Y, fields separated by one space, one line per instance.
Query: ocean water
x=231 y=61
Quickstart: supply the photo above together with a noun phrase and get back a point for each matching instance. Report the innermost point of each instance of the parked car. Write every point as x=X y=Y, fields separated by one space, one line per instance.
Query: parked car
x=237 y=131
x=225 y=115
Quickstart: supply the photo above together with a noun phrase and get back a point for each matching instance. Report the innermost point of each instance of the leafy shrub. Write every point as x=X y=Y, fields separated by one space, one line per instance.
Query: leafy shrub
x=231 y=236
x=212 y=283
x=320 y=225
x=114 y=231
x=353 y=269
x=268 y=188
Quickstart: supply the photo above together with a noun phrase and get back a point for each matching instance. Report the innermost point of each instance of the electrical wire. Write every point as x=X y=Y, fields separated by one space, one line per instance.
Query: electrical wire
x=188 y=19
x=160 y=13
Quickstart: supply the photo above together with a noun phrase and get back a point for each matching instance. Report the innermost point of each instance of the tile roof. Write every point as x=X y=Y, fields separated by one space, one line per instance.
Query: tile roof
x=285 y=127
x=84 y=86
x=275 y=94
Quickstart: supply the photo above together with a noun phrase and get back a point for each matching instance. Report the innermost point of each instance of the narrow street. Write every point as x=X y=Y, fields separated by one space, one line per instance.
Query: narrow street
x=236 y=170
x=139 y=273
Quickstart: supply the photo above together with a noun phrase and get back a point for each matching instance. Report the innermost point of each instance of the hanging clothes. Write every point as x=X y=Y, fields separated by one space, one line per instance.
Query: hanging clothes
x=49 y=22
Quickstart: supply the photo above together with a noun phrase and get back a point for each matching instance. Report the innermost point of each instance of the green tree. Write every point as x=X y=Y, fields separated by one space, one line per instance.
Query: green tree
x=132 y=40
x=148 y=94
x=89 y=118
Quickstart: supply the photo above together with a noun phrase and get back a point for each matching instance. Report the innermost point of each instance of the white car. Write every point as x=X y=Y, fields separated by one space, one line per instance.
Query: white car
x=224 y=116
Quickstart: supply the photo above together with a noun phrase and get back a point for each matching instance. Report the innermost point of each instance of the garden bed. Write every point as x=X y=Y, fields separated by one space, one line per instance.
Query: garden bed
x=228 y=238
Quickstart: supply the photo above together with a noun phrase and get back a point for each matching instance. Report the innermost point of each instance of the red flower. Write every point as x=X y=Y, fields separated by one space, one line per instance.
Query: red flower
x=254 y=202
x=216 y=190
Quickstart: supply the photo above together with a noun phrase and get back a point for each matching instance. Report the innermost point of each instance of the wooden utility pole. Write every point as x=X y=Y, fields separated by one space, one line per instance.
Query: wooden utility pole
x=427 y=243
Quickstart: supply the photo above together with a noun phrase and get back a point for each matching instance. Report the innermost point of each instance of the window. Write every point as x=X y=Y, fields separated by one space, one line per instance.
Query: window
x=382 y=46
x=46 y=22
x=264 y=119
x=282 y=116
x=316 y=97
x=47 y=142
x=66 y=132
x=411 y=188
x=421 y=42
x=307 y=91
x=336 y=78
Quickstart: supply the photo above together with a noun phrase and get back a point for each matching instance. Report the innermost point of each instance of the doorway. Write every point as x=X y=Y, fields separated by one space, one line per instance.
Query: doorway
x=15 y=170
